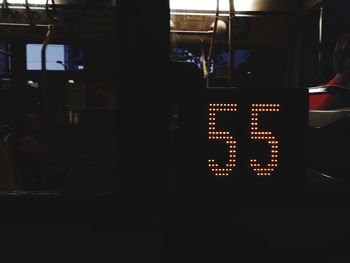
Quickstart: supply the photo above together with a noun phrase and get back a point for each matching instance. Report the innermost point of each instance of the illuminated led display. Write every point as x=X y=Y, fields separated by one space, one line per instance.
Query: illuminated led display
x=234 y=136
x=221 y=135
x=255 y=134
x=264 y=135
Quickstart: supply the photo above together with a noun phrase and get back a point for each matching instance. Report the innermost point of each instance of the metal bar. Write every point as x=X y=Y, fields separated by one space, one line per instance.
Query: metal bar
x=45 y=104
x=237 y=13
x=22 y=25
x=212 y=40
x=231 y=48
x=47 y=8
x=61 y=28
x=204 y=63
x=4 y=52
x=314 y=172
x=5 y=8
x=320 y=43
x=36 y=25
x=210 y=32
x=31 y=22
x=4 y=4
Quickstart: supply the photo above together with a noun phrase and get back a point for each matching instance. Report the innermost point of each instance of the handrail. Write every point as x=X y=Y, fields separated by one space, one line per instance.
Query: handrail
x=231 y=51
x=212 y=40
x=45 y=103
x=31 y=21
x=213 y=34
x=5 y=8
x=209 y=32
x=53 y=15
x=204 y=63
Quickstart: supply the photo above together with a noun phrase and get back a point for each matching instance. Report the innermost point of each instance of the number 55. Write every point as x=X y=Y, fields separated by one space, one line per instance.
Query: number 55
x=255 y=134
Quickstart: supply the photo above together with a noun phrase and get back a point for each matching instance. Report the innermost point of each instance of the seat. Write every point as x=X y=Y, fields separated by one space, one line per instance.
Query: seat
x=329 y=129
x=328 y=104
x=328 y=97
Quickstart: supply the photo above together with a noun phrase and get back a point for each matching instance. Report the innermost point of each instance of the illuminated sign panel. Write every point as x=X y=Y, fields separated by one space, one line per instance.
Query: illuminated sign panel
x=235 y=135
x=255 y=134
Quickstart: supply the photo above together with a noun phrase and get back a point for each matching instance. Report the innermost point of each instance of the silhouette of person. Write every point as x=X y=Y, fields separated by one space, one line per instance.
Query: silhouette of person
x=29 y=154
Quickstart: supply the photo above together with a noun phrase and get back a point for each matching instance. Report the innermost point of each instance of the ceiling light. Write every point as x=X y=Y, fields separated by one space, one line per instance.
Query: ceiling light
x=210 y=5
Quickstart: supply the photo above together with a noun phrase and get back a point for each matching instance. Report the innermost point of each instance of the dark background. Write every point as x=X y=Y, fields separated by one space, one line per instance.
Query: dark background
x=316 y=57
x=144 y=220
x=301 y=224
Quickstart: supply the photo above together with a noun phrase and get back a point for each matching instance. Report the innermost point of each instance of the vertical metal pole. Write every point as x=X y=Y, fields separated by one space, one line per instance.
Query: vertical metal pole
x=45 y=105
x=231 y=48
x=28 y=13
x=320 y=71
x=212 y=40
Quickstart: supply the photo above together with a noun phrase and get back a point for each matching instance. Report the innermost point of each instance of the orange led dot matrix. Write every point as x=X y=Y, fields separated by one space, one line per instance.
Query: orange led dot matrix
x=264 y=135
x=221 y=135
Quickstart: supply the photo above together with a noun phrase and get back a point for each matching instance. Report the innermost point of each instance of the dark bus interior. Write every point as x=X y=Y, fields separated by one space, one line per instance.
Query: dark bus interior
x=58 y=67
x=104 y=98
x=75 y=95
x=275 y=44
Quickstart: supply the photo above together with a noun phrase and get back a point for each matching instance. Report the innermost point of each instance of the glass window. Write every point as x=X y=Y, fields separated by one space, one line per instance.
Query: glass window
x=55 y=57
x=58 y=57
